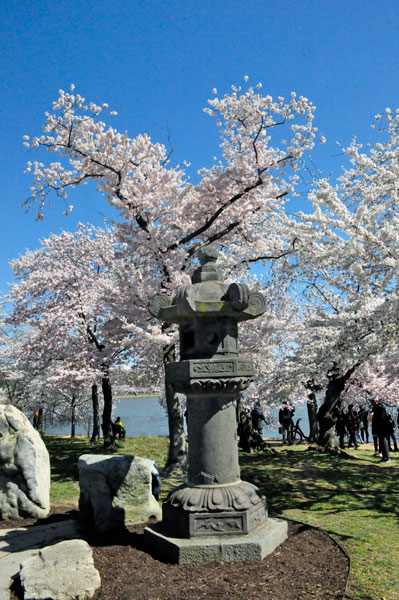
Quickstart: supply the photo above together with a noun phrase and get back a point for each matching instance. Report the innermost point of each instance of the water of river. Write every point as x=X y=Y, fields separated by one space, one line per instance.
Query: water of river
x=145 y=416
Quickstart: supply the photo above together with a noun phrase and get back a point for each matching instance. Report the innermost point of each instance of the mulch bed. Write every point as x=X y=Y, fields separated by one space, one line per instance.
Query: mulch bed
x=309 y=565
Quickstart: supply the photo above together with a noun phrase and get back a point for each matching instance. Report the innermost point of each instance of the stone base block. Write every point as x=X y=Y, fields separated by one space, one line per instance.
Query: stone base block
x=254 y=546
x=203 y=524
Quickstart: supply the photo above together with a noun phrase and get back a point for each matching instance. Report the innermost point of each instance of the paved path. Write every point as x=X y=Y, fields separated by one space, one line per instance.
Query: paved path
x=16 y=545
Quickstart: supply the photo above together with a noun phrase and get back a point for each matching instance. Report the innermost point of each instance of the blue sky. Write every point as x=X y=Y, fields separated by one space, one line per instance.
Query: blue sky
x=156 y=64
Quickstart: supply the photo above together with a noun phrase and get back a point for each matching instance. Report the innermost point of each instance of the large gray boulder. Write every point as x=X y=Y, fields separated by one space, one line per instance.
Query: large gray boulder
x=24 y=467
x=115 y=491
x=64 y=571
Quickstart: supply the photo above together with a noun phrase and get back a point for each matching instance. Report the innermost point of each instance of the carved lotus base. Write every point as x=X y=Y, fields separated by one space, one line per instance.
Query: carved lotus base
x=213 y=498
x=193 y=511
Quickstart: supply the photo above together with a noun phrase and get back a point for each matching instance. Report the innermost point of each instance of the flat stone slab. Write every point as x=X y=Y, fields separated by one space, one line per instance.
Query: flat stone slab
x=63 y=571
x=254 y=546
x=16 y=545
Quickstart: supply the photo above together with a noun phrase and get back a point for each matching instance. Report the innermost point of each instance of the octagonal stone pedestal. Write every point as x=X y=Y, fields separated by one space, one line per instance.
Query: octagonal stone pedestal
x=253 y=546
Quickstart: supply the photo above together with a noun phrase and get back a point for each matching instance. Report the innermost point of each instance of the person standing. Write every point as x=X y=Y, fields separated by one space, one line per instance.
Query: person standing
x=364 y=424
x=340 y=426
x=357 y=427
x=381 y=428
x=394 y=441
x=373 y=433
x=38 y=420
x=351 y=425
x=250 y=439
x=258 y=418
x=392 y=435
x=285 y=416
x=244 y=430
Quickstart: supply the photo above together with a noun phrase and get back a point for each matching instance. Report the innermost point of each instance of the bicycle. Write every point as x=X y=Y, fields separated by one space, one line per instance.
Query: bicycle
x=296 y=435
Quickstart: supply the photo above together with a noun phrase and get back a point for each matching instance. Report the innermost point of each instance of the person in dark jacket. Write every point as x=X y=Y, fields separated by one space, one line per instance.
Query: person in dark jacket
x=285 y=417
x=258 y=418
x=392 y=435
x=374 y=434
x=340 y=426
x=249 y=439
x=351 y=422
x=364 y=424
x=381 y=428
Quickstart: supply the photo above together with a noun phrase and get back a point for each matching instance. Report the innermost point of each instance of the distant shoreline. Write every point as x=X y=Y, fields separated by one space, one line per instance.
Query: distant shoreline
x=136 y=396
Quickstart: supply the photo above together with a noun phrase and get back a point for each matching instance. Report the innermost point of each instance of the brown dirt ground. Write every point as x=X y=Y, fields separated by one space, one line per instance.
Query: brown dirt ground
x=309 y=565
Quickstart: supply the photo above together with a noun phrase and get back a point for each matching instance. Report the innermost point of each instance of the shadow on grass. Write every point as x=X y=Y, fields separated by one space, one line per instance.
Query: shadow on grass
x=306 y=479
x=292 y=478
x=65 y=453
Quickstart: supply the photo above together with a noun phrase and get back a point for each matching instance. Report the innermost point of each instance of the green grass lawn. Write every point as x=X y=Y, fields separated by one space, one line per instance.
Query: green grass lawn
x=356 y=499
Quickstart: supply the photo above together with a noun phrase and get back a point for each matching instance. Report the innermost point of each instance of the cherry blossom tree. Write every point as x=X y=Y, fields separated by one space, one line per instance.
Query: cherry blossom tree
x=343 y=255
x=66 y=295
x=12 y=382
x=346 y=261
x=164 y=217
x=378 y=378
x=70 y=403
x=32 y=384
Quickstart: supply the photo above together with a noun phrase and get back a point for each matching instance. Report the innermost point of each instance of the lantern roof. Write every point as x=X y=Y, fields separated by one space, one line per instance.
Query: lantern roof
x=208 y=296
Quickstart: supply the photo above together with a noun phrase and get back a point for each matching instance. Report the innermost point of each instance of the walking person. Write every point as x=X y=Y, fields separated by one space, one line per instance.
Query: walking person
x=381 y=428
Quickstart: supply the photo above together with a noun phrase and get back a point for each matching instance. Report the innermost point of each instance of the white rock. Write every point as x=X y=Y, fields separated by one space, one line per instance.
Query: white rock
x=17 y=545
x=24 y=467
x=64 y=571
x=115 y=491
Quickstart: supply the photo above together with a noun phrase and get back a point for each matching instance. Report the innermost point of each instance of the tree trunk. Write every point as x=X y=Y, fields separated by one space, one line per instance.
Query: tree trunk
x=95 y=436
x=73 y=417
x=336 y=386
x=109 y=441
x=177 y=454
x=312 y=416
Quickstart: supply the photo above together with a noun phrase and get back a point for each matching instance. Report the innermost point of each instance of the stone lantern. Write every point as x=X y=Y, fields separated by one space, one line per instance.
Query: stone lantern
x=214 y=515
